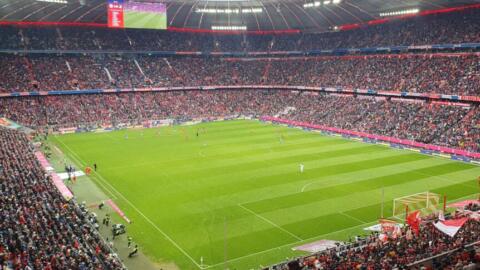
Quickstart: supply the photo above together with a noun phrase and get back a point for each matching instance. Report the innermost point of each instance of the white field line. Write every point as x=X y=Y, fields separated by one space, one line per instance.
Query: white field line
x=308 y=184
x=400 y=166
x=419 y=173
x=286 y=245
x=270 y=162
x=270 y=222
x=76 y=159
x=401 y=217
x=147 y=163
x=260 y=252
x=143 y=215
x=320 y=180
x=184 y=159
x=316 y=237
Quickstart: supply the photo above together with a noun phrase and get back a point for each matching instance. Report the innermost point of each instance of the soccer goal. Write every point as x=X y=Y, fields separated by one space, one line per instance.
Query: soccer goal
x=424 y=201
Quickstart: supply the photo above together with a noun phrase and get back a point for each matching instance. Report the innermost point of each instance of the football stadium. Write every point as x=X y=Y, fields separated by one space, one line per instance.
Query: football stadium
x=259 y=134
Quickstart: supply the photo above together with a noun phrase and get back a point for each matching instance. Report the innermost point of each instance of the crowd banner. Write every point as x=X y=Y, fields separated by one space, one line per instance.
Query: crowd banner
x=56 y=180
x=452 y=151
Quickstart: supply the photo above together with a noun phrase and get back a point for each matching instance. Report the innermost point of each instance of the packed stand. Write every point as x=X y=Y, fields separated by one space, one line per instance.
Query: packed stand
x=442 y=74
x=38 y=228
x=401 y=252
x=445 y=28
x=464 y=258
x=134 y=108
x=445 y=125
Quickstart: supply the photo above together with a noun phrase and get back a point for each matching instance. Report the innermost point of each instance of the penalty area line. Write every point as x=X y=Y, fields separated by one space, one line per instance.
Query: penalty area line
x=351 y=217
x=322 y=235
x=290 y=244
x=270 y=222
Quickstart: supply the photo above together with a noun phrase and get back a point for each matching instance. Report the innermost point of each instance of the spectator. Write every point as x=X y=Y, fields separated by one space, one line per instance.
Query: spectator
x=38 y=228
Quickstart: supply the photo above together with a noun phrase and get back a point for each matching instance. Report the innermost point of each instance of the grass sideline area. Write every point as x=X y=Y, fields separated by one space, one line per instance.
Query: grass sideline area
x=234 y=197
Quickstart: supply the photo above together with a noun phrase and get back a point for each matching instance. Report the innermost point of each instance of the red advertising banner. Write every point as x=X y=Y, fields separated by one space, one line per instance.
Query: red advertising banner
x=57 y=181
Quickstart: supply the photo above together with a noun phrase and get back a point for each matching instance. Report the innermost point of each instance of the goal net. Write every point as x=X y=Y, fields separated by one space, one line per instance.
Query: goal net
x=425 y=201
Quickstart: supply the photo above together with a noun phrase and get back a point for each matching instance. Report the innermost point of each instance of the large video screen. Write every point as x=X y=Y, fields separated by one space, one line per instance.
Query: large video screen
x=137 y=14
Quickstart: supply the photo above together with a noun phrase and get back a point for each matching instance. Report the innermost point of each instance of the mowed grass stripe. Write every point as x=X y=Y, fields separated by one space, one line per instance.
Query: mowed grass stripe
x=253 y=140
x=330 y=206
x=364 y=214
x=325 y=224
x=213 y=250
x=218 y=203
x=200 y=212
x=203 y=160
x=212 y=188
x=206 y=130
x=236 y=133
x=223 y=205
x=264 y=167
x=254 y=163
x=212 y=128
x=246 y=136
x=296 y=214
x=227 y=154
x=454 y=192
x=279 y=179
x=236 y=244
x=360 y=186
x=173 y=155
x=206 y=210
x=354 y=200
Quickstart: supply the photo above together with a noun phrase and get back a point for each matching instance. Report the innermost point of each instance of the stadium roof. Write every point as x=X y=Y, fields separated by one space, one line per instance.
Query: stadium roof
x=322 y=15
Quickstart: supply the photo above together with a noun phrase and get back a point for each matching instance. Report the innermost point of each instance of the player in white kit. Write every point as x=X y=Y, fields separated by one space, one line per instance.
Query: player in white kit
x=301 y=168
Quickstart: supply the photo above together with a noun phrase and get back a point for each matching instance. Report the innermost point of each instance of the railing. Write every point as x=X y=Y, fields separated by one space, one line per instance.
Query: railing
x=444 y=254
x=331 y=90
x=338 y=51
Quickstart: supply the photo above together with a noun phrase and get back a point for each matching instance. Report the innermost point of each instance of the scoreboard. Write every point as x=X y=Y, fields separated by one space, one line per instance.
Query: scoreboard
x=136 y=14
x=115 y=14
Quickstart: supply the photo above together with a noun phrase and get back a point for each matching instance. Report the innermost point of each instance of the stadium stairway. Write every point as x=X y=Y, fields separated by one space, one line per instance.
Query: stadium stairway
x=286 y=111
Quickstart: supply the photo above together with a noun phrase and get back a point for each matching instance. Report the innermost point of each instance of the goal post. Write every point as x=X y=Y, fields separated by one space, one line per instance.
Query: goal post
x=425 y=201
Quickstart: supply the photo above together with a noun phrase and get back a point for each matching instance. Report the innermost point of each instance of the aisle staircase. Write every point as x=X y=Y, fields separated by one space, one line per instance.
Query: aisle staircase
x=286 y=111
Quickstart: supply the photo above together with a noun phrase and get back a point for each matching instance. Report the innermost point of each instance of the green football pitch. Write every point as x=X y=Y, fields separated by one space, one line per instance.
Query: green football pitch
x=234 y=196
x=145 y=20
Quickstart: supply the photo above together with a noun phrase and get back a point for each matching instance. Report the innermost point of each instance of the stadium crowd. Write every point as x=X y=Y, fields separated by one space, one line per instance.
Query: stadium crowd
x=38 y=228
x=440 y=124
x=397 y=253
x=457 y=74
x=454 y=27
